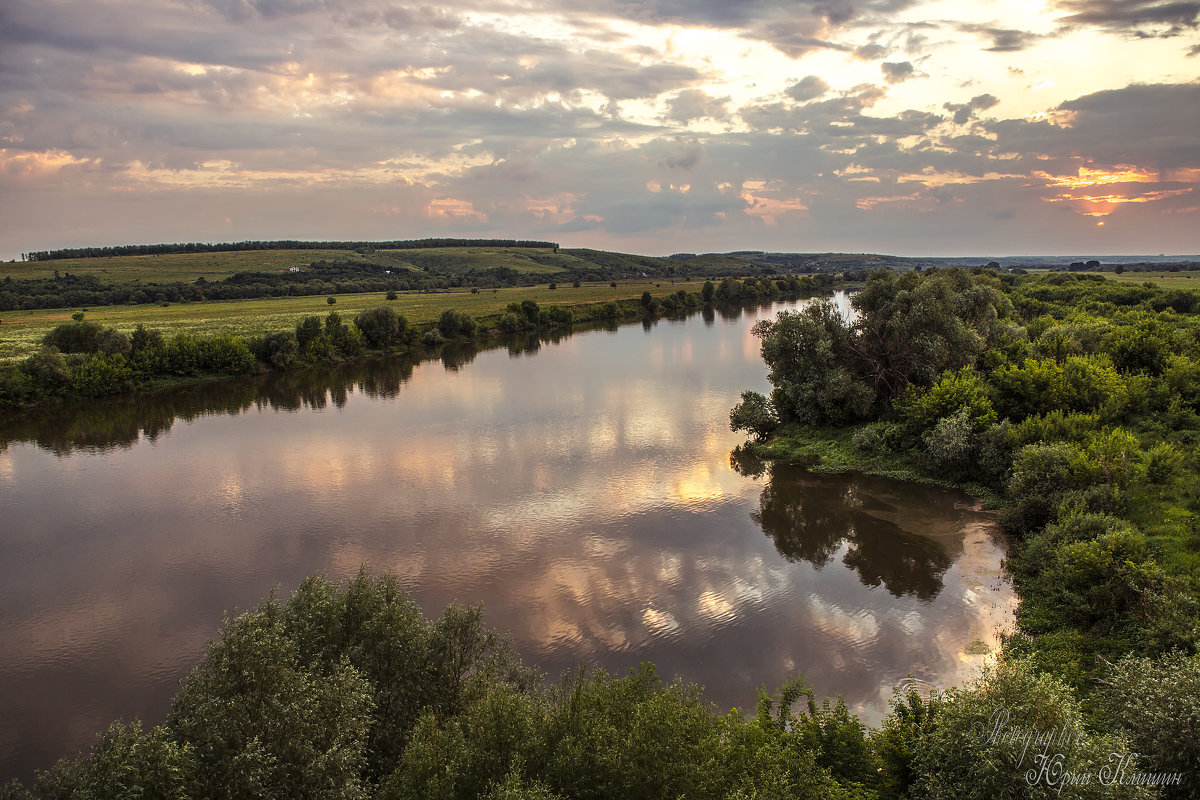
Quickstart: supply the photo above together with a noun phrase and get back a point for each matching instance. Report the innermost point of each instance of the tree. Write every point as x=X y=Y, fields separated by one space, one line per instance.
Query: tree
x=708 y=292
x=262 y=723
x=381 y=326
x=331 y=300
x=812 y=362
x=754 y=415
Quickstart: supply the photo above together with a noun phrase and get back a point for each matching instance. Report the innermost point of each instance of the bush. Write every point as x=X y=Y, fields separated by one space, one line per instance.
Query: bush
x=73 y=337
x=754 y=415
x=16 y=389
x=869 y=440
x=1041 y=476
x=277 y=349
x=1157 y=704
x=125 y=763
x=922 y=409
x=47 y=371
x=262 y=722
x=1092 y=584
x=976 y=748
x=454 y=324
x=951 y=447
x=102 y=374
x=510 y=323
x=381 y=327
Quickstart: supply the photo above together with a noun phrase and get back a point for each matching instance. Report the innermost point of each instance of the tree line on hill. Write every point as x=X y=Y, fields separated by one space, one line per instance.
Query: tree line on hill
x=289 y=244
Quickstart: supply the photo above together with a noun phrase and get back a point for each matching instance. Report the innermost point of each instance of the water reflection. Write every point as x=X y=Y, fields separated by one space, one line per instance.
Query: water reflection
x=583 y=494
x=814 y=518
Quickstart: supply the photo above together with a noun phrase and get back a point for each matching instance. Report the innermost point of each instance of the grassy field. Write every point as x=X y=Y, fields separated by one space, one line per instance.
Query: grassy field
x=187 y=267
x=171 y=267
x=21 y=332
x=1167 y=280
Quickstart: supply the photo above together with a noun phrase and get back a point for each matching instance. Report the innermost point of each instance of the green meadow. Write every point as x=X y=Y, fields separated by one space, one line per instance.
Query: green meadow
x=21 y=332
x=1167 y=280
x=187 y=267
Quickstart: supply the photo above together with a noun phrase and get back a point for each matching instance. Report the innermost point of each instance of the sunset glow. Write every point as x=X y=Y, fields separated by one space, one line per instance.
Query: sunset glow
x=649 y=127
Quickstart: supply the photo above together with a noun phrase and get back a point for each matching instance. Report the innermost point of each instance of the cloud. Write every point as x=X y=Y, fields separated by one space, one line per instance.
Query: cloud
x=693 y=104
x=870 y=52
x=964 y=112
x=897 y=71
x=1151 y=126
x=1004 y=40
x=807 y=88
x=1136 y=17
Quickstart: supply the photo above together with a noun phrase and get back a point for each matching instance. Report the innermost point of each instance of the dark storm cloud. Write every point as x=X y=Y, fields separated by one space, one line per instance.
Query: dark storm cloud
x=1139 y=17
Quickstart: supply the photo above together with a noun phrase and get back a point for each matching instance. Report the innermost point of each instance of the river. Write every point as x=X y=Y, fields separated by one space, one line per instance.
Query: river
x=581 y=489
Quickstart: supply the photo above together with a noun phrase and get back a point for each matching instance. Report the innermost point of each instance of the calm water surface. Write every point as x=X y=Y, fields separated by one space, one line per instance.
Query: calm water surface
x=581 y=489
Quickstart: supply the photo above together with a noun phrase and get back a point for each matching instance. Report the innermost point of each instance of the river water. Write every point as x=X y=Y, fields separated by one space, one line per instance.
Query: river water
x=581 y=489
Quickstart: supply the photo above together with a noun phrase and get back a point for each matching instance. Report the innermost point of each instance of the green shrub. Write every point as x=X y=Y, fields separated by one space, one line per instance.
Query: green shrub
x=977 y=747
x=921 y=409
x=101 y=374
x=277 y=349
x=1157 y=704
x=754 y=415
x=47 y=371
x=381 y=327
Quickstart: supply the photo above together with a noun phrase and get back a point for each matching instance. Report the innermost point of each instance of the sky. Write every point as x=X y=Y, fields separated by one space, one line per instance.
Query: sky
x=910 y=127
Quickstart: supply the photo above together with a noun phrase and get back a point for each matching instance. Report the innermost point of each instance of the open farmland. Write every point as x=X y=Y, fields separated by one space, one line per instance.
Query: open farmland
x=171 y=267
x=187 y=267
x=1167 y=280
x=21 y=332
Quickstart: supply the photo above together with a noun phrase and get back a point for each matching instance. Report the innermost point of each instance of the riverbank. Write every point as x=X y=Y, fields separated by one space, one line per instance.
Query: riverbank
x=835 y=450
x=84 y=358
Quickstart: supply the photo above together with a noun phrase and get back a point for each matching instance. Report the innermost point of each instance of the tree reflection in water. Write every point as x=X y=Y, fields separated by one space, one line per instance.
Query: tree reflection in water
x=813 y=517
